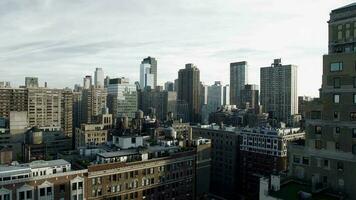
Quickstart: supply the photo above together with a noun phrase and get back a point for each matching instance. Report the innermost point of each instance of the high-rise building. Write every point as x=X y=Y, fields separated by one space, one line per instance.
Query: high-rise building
x=226 y=95
x=162 y=101
x=328 y=157
x=238 y=78
x=67 y=112
x=148 y=73
x=189 y=90
x=279 y=91
x=169 y=86
x=176 y=85
x=99 y=78
x=90 y=135
x=215 y=96
x=106 y=81
x=87 y=82
x=122 y=98
x=302 y=101
x=31 y=82
x=93 y=100
x=250 y=97
x=44 y=107
x=4 y=84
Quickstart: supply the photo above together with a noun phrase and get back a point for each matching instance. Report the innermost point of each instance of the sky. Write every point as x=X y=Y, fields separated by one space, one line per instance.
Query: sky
x=61 y=41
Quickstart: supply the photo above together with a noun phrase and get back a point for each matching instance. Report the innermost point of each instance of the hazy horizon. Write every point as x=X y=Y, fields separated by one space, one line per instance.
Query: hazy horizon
x=62 y=41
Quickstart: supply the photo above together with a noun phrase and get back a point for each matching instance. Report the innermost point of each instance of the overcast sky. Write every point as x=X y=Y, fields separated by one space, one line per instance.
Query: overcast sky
x=61 y=41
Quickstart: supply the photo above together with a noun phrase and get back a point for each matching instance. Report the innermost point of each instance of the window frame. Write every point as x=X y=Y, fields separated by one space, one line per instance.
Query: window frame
x=339 y=69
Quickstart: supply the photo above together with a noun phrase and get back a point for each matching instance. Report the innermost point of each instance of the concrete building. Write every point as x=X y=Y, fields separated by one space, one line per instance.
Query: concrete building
x=263 y=152
x=122 y=98
x=328 y=157
x=31 y=82
x=226 y=95
x=203 y=167
x=189 y=90
x=42 y=180
x=238 y=78
x=99 y=78
x=90 y=135
x=148 y=73
x=250 y=97
x=44 y=107
x=279 y=91
x=302 y=101
x=169 y=86
x=127 y=142
x=5 y=84
x=92 y=102
x=13 y=100
x=67 y=112
x=162 y=101
x=106 y=81
x=224 y=159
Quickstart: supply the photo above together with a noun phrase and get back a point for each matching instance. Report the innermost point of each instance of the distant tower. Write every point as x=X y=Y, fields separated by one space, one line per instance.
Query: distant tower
x=87 y=82
x=189 y=90
x=148 y=73
x=279 y=90
x=31 y=82
x=99 y=78
x=238 y=79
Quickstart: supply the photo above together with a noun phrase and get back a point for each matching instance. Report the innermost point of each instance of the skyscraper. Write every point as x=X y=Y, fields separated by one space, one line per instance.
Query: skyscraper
x=87 y=82
x=215 y=96
x=148 y=73
x=328 y=157
x=189 y=90
x=279 y=91
x=238 y=79
x=122 y=98
x=99 y=78
x=169 y=86
x=93 y=100
x=67 y=112
x=226 y=95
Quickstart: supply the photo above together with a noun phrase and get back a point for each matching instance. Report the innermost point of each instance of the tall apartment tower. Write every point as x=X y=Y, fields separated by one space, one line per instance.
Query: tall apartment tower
x=215 y=96
x=169 y=86
x=93 y=101
x=67 y=112
x=328 y=158
x=189 y=90
x=279 y=91
x=238 y=79
x=148 y=73
x=99 y=78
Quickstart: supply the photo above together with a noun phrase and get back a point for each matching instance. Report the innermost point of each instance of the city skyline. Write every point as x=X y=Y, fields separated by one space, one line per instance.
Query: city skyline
x=105 y=37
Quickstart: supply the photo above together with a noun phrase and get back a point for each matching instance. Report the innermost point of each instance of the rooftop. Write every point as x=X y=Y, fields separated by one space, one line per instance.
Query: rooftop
x=50 y=163
x=292 y=189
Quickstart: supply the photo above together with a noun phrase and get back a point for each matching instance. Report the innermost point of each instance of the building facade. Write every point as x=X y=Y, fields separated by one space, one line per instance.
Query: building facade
x=189 y=90
x=279 y=91
x=238 y=78
x=148 y=73
x=250 y=97
x=330 y=146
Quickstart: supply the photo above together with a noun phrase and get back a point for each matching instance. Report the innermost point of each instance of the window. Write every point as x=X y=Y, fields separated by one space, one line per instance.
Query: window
x=353 y=116
x=336 y=66
x=49 y=190
x=42 y=192
x=22 y=195
x=305 y=161
x=354 y=133
x=318 y=144
x=133 y=140
x=29 y=194
x=337 y=146
x=317 y=129
x=80 y=185
x=62 y=188
x=336 y=82
x=315 y=115
x=326 y=163
x=74 y=186
x=54 y=171
x=336 y=115
x=336 y=98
